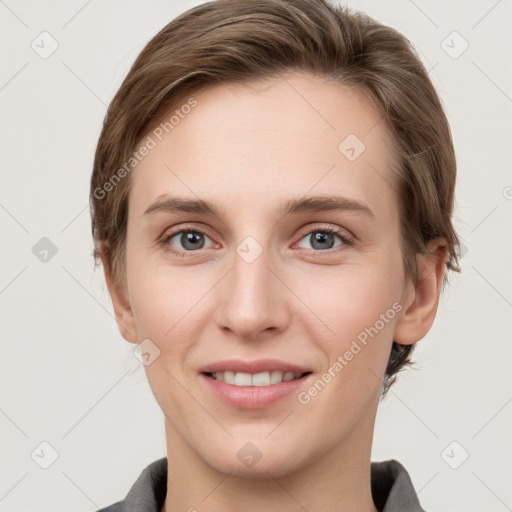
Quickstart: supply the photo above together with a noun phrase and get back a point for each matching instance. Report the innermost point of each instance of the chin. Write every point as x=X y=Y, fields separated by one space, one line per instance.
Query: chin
x=248 y=461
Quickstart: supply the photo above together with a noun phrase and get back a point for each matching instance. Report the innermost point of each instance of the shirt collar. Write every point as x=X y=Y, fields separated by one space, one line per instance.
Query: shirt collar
x=392 y=489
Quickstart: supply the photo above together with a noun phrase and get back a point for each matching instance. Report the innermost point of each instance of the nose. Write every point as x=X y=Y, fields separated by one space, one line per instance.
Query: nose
x=252 y=299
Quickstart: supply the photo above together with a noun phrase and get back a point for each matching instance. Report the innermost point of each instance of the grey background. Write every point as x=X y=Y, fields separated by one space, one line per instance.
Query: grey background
x=69 y=379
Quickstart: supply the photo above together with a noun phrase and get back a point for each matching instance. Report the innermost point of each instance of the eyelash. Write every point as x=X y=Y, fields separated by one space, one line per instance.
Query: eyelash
x=164 y=241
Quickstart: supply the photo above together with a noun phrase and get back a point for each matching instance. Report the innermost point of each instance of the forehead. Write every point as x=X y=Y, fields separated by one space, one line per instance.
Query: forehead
x=256 y=142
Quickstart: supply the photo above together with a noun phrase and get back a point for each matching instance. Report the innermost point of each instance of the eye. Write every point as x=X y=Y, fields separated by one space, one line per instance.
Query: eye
x=186 y=240
x=323 y=238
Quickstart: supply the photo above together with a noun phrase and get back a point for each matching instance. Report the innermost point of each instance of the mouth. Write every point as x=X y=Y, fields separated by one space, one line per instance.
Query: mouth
x=268 y=378
x=254 y=391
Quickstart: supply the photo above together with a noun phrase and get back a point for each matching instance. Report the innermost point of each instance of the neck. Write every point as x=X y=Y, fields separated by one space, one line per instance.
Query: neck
x=338 y=479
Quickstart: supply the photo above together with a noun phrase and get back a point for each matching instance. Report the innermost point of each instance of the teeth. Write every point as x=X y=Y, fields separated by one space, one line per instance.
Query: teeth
x=258 y=379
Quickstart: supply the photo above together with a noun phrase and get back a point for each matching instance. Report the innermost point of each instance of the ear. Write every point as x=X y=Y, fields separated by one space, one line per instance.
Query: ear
x=120 y=300
x=421 y=301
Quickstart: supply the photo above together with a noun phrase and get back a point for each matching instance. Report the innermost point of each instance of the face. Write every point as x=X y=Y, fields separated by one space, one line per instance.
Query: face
x=272 y=270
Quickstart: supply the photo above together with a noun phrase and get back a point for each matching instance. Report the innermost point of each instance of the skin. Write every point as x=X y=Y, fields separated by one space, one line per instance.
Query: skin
x=248 y=148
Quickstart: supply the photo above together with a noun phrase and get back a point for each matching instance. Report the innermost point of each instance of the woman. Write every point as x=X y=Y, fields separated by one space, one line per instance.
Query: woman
x=272 y=196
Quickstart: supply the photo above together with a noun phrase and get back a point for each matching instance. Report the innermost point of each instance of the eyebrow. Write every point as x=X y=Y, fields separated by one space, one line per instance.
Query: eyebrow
x=314 y=204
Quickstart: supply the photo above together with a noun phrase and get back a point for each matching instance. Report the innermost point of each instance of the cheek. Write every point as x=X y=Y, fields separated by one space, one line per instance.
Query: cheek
x=170 y=308
x=361 y=308
x=165 y=306
x=355 y=298
x=362 y=312
x=152 y=308
x=161 y=295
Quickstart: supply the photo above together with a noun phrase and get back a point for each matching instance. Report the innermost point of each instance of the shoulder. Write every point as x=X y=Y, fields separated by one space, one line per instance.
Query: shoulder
x=147 y=493
x=392 y=488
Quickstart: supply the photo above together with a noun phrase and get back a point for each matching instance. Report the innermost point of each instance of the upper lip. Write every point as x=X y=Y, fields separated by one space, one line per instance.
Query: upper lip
x=258 y=366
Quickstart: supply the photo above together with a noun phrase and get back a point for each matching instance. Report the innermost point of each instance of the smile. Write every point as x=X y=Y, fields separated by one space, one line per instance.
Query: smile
x=267 y=378
x=254 y=391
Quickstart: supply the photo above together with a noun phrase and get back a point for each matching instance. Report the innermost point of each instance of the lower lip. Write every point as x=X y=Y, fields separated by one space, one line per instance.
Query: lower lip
x=252 y=397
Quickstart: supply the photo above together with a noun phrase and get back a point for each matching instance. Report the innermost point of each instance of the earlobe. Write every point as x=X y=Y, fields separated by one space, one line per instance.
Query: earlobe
x=421 y=301
x=120 y=301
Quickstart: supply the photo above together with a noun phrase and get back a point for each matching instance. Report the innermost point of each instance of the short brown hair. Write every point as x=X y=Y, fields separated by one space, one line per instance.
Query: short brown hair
x=247 y=40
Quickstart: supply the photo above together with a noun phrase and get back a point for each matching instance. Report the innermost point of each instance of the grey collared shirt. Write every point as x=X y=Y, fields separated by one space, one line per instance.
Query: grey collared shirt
x=392 y=489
